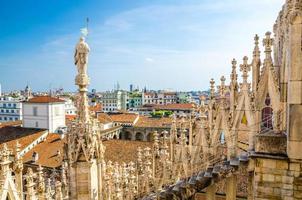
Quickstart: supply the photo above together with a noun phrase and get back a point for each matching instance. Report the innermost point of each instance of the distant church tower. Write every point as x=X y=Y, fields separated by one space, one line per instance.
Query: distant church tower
x=27 y=92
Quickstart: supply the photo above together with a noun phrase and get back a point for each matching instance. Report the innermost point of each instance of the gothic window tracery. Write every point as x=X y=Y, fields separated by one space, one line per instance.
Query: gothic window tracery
x=267 y=115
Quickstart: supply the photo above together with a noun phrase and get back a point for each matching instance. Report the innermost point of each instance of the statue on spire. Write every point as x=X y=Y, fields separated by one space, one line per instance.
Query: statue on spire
x=81 y=56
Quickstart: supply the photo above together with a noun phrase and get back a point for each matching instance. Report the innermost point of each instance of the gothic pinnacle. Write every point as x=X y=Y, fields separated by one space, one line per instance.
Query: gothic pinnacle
x=234 y=74
x=267 y=43
x=256 y=52
x=212 y=88
x=245 y=68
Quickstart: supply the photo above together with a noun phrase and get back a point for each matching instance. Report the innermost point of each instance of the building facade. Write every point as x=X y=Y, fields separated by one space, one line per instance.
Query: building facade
x=44 y=112
x=10 y=109
x=161 y=97
x=114 y=101
x=178 y=109
x=70 y=108
x=135 y=100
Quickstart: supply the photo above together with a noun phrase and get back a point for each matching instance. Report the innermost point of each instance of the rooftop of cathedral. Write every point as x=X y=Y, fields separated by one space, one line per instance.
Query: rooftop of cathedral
x=123 y=150
x=50 y=151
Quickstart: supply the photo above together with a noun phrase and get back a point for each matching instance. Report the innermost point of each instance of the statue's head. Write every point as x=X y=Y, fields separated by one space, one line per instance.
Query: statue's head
x=82 y=39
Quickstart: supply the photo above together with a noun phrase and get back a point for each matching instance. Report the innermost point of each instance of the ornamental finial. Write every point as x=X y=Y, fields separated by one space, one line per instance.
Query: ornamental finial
x=212 y=88
x=222 y=87
x=245 y=68
x=234 y=73
x=267 y=43
x=256 y=52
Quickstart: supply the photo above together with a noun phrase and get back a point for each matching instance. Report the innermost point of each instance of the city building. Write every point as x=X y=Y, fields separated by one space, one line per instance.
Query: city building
x=44 y=112
x=10 y=109
x=135 y=100
x=178 y=109
x=70 y=108
x=183 y=97
x=161 y=97
x=114 y=101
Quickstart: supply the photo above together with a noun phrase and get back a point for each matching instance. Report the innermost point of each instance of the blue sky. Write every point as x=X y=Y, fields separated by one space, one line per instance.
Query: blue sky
x=161 y=44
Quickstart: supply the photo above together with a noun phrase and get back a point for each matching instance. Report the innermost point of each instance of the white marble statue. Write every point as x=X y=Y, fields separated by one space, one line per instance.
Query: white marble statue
x=81 y=56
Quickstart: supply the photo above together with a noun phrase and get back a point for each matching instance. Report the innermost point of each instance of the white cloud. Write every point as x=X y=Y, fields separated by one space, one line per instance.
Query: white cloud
x=150 y=60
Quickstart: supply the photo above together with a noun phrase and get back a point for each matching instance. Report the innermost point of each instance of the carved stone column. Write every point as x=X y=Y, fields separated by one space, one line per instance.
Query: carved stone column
x=211 y=192
x=41 y=184
x=250 y=189
x=59 y=195
x=231 y=187
x=30 y=184
x=18 y=169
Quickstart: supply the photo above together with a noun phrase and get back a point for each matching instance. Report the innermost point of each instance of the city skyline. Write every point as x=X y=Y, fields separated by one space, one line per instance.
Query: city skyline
x=127 y=43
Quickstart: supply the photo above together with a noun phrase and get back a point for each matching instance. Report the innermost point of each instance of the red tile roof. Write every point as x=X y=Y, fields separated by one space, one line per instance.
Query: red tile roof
x=25 y=136
x=96 y=108
x=104 y=118
x=44 y=99
x=145 y=122
x=70 y=117
x=123 y=117
x=50 y=152
x=11 y=123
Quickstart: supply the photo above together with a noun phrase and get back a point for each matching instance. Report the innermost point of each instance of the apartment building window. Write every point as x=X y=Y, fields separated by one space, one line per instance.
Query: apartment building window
x=15 y=105
x=4 y=105
x=35 y=111
x=37 y=124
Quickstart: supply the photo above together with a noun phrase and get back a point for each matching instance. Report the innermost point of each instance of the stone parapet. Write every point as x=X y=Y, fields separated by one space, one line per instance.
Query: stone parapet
x=271 y=143
x=276 y=178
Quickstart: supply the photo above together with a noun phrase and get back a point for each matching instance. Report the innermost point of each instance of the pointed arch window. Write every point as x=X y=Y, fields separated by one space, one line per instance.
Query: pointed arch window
x=267 y=115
